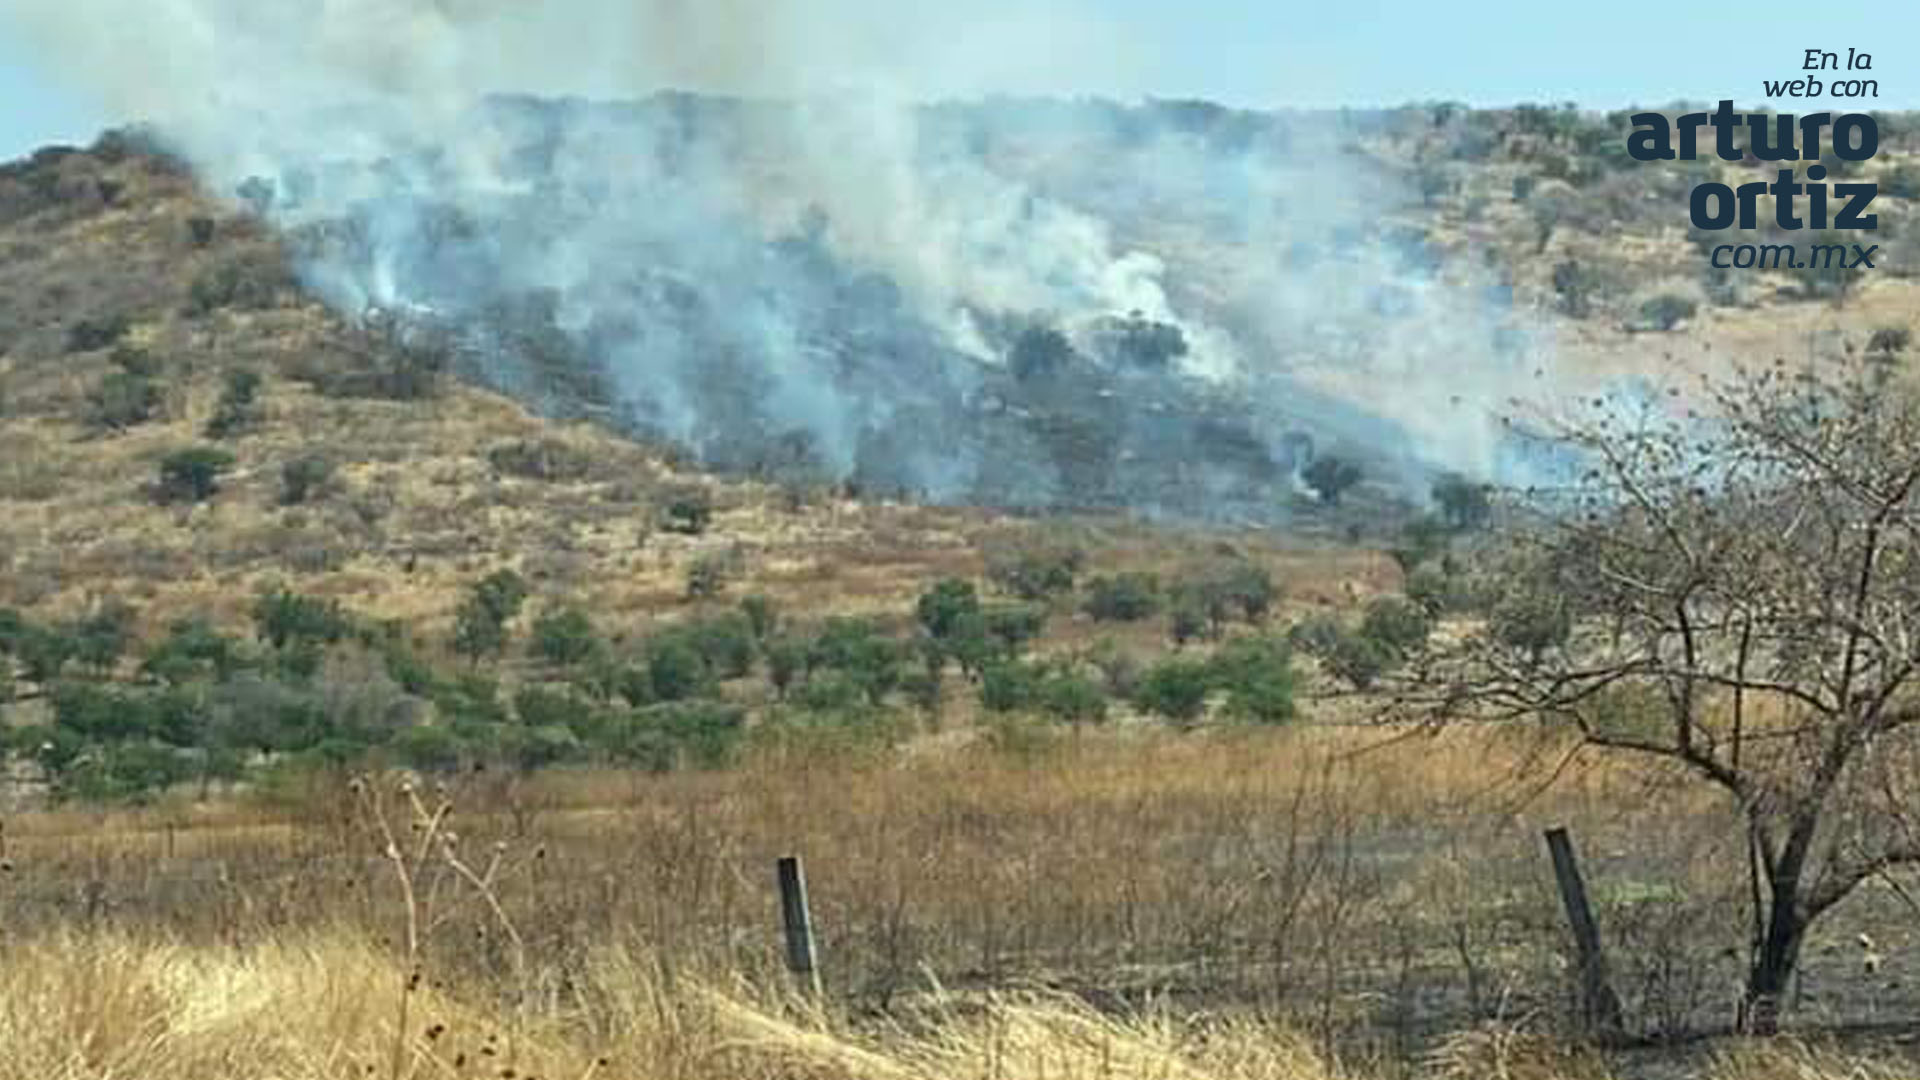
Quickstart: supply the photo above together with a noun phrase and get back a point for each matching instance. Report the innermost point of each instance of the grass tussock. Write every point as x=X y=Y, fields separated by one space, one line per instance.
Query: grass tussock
x=322 y=1006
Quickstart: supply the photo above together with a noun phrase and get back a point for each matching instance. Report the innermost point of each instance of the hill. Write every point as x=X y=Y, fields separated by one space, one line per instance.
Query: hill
x=190 y=436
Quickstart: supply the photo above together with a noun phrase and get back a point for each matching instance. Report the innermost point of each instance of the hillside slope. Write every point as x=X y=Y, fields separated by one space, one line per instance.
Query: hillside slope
x=114 y=268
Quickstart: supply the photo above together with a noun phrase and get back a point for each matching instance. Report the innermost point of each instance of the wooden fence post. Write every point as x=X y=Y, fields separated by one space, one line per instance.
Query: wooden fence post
x=797 y=920
x=1599 y=1005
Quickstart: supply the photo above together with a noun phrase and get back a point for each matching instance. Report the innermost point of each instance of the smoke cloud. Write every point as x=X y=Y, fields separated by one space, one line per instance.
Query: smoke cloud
x=741 y=225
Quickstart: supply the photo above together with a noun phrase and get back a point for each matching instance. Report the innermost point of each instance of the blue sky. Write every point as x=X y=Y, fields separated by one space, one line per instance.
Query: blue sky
x=1599 y=53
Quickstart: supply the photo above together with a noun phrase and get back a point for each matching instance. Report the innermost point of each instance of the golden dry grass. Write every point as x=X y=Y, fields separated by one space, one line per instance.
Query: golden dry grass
x=1332 y=890
x=323 y=1005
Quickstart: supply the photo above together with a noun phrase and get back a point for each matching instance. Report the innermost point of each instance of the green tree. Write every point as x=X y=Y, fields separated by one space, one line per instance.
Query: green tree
x=480 y=622
x=1072 y=699
x=282 y=618
x=237 y=408
x=103 y=636
x=1397 y=623
x=123 y=400
x=948 y=607
x=1039 y=352
x=1175 y=689
x=1257 y=674
x=1464 y=504
x=675 y=669
x=193 y=474
x=1331 y=477
x=303 y=477
x=1359 y=659
x=1011 y=686
x=565 y=637
x=688 y=511
x=763 y=616
x=1123 y=598
x=1035 y=573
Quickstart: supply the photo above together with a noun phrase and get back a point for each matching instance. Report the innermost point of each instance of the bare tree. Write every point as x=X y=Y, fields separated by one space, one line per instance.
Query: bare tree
x=1735 y=592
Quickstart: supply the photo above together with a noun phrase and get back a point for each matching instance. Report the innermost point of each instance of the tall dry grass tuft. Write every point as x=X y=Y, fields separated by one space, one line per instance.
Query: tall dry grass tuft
x=77 y=1007
x=1786 y=1059
x=1502 y=1050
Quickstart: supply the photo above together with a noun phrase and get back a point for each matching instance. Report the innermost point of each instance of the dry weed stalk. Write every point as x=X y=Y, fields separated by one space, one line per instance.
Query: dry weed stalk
x=421 y=868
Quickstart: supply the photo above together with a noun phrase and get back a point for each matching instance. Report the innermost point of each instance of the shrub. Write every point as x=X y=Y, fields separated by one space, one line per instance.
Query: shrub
x=565 y=637
x=1014 y=626
x=1358 y=659
x=1890 y=340
x=763 y=617
x=1434 y=590
x=1175 y=689
x=247 y=282
x=948 y=608
x=470 y=699
x=1011 y=686
x=101 y=637
x=123 y=400
x=193 y=474
x=1189 y=618
x=282 y=618
x=1123 y=598
x=92 y=334
x=130 y=771
x=703 y=734
x=192 y=650
x=1257 y=674
x=136 y=361
x=1576 y=286
x=1464 y=505
x=480 y=622
x=303 y=477
x=43 y=652
x=553 y=707
x=1420 y=541
x=1397 y=623
x=675 y=669
x=1246 y=588
x=786 y=659
x=1035 y=573
x=235 y=411
x=541 y=459
x=430 y=749
x=1039 y=352
x=725 y=644
x=1072 y=699
x=707 y=576
x=858 y=650
x=1331 y=477
x=1532 y=623
x=688 y=512
x=1664 y=312
x=530 y=748
x=502 y=594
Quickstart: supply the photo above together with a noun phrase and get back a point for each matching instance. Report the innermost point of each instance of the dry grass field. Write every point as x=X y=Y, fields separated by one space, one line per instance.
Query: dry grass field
x=1300 y=904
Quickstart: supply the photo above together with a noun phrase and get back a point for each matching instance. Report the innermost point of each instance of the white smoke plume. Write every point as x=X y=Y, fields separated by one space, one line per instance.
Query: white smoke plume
x=819 y=260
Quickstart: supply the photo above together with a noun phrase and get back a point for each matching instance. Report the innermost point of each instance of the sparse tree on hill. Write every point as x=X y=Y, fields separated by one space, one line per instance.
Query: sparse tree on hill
x=1330 y=477
x=193 y=475
x=480 y=623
